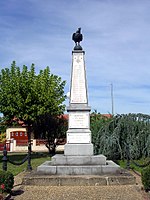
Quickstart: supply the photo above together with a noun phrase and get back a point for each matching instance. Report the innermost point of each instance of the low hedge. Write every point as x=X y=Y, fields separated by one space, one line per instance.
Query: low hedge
x=146 y=178
x=6 y=181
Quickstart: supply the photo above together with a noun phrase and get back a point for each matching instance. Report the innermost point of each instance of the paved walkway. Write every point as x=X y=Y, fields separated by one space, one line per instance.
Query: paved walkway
x=120 y=192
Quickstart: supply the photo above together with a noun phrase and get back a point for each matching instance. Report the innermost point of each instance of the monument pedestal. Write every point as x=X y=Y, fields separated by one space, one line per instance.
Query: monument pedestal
x=78 y=150
x=78 y=158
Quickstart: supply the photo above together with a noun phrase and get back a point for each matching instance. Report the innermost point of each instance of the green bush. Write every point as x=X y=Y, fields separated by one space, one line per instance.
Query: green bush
x=121 y=135
x=146 y=178
x=6 y=181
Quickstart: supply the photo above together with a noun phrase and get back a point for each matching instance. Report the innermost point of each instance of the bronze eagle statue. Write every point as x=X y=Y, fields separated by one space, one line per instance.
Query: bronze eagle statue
x=77 y=37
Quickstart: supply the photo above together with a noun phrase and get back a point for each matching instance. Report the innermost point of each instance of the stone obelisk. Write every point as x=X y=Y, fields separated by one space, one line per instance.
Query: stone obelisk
x=78 y=134
x=78 y=158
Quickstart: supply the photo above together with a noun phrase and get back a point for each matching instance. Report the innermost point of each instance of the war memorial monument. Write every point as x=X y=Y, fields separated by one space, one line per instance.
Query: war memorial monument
x=78 y=165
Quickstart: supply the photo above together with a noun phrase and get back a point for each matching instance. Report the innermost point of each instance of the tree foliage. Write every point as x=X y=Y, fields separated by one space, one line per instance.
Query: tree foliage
x=96 y=122
x=124 y=131
x=29 y=96
x=146 y=178
x=2 y=125
x=26 y=95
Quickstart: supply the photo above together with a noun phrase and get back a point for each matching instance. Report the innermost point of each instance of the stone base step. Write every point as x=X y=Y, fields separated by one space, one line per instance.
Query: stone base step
x=49 y=169
x=59 y=159
x=85 y=180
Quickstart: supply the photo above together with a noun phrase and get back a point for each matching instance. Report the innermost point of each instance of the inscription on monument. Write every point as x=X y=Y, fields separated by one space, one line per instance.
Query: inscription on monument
x=79 y=138
x=78 y=87
x=79 y=120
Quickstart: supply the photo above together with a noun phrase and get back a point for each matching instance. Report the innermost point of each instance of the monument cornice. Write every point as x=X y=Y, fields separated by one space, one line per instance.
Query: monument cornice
x=78 y=51
x=78 y=107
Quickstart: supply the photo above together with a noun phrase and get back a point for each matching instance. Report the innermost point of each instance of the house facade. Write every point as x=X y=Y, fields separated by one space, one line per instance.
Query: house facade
x=16 y=133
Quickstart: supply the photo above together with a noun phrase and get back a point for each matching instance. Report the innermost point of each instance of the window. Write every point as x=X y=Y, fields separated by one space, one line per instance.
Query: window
x=16 y=133
x=20 y=133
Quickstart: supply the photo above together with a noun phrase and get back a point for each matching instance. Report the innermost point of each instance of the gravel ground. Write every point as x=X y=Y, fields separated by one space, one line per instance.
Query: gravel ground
x=80 y=193
x=120 y=192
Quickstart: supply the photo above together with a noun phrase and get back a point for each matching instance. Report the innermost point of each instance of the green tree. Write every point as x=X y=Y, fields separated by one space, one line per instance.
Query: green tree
x=2 y=125
x=97 y=121
x=29 y=96
x=123 y=134
x=50 y=127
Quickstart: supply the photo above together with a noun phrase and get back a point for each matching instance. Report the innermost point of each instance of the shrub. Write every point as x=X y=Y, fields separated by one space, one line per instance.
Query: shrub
x=6 y=181
x=2 y=137
x=121 y=135
x=146 y=178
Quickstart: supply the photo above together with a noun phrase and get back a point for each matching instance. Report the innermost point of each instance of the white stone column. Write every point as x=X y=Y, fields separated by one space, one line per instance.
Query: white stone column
x=14 y=149
x=78 y=134
x=34 y=145
x=11 y=145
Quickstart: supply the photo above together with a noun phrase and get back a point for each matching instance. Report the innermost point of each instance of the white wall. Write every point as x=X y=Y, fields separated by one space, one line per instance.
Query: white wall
x=8 y=130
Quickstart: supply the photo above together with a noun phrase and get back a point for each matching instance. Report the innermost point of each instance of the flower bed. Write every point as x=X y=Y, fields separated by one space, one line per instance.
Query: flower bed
x=6 y=183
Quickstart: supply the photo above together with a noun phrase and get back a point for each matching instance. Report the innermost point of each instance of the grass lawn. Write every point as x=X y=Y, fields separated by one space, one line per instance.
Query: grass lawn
x=39 y=158
x=36 y=160
x=142 y=161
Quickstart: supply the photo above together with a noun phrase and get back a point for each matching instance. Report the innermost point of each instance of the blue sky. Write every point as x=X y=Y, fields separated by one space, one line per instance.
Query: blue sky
x=116 y=44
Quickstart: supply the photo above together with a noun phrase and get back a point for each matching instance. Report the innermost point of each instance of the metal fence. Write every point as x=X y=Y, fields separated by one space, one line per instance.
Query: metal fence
x=6 y=159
